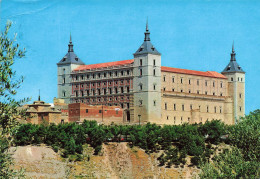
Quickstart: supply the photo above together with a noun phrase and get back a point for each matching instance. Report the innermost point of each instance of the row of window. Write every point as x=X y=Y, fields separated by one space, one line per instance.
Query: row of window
x=102 y=75
x=191 y=107
x=238 y=79
x=103 y=91
x=189 y=82
x=141 y=62
x=182 y=120
x=198 y=92
x=122 y=105
x=116 y=82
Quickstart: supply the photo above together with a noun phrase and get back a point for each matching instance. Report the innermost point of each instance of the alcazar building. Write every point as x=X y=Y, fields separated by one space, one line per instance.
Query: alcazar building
x=149 y=92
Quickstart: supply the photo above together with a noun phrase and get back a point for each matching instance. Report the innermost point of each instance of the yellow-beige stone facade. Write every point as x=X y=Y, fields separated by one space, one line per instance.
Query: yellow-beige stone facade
x=149 y=92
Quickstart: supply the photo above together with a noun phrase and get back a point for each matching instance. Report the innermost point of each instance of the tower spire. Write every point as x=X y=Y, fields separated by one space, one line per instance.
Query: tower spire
x=147 y=33
x=39 y=97
x=233 y=54
x=70 y=45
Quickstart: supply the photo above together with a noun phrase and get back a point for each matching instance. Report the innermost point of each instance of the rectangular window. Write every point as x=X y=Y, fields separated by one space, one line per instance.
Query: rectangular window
x=174 y=107
x=213 y=83
x=141 y=72
x=173 y=89
x=153 y=72
x=173 y=79
x=141 y=62
x=63 y=80
x=181 y=80
x=198 y=82
x=86 y=110
x=164 y=89
x=165 y=106
x=191 y=106
x=164 y=78
x=240 y=108
x=122 y=73
x=240 y=95
x=141 y=87
x=189 y=81
x=207 y=108
x=154 y=87
x=183 y=107
x=221 y=85
x=206 y=92
x=154 y=103
x=215 y=108
x=154 y=62
x=206 y=83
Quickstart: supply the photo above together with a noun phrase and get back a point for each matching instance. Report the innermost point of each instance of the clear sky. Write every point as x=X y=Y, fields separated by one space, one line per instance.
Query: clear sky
x=190 y=34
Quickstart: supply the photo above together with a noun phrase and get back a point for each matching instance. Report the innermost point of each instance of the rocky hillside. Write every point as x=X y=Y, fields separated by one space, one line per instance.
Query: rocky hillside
x=117 y=160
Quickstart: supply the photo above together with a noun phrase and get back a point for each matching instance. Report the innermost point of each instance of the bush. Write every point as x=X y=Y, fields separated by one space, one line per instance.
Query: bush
x=195 y=160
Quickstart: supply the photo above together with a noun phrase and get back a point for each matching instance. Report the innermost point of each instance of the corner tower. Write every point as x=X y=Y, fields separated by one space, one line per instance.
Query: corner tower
x=236 y=86
x=65 y=66
x=147 y=82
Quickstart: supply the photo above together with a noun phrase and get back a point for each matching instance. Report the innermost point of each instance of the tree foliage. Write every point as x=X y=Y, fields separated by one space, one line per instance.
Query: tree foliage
x=9 y=113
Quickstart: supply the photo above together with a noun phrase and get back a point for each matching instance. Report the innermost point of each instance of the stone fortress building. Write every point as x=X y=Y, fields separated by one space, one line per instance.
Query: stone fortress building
x=149 y=92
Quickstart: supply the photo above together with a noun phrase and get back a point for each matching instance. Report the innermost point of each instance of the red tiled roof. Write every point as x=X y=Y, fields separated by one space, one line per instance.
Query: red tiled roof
x=102 y=65
x=212 y=74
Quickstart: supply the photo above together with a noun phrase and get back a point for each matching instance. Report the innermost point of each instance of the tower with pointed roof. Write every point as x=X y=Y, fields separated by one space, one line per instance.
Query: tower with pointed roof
x=65 y=66
x=147 y=82
x=236 y=86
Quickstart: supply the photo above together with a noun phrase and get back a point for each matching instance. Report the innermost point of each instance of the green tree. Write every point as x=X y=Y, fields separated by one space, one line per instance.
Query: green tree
x=9 y=112
x=230 y=164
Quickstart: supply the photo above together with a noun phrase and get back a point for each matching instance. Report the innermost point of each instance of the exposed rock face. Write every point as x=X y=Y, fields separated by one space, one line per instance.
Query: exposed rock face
x=116 y=161
x=39 y=162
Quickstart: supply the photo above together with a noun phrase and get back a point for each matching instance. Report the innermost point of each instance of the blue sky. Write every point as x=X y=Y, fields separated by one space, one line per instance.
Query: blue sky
x=195 y=35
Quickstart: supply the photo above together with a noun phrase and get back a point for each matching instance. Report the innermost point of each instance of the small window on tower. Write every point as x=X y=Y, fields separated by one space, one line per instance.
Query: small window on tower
x=154 y=87
x=141 y=72
x=154 y=103
x=240 y=95
x=63 y=80
x=153 y=72
x=231 y=78
x=164 y=78
x=64 y=71
x=154 y=62
x=165 y=106
x=64 y=94
x=141 y=62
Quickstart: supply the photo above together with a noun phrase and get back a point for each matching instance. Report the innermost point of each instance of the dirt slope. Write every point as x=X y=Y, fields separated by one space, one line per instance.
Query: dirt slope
x=117 y=160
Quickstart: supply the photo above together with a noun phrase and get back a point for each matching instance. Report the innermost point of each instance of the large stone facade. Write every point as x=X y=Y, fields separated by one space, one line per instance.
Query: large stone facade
x=149 y=92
